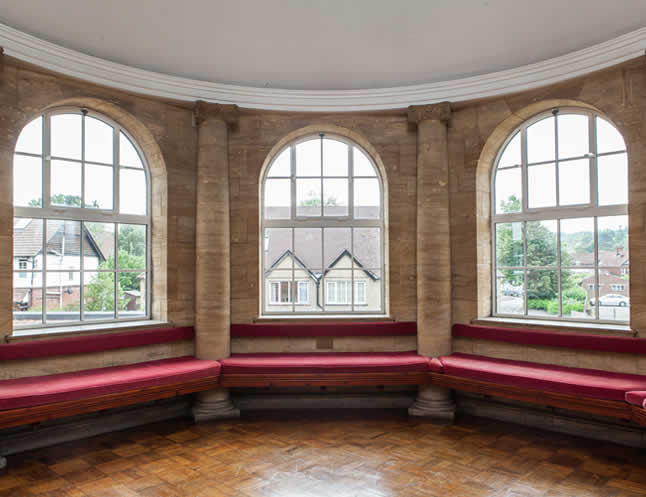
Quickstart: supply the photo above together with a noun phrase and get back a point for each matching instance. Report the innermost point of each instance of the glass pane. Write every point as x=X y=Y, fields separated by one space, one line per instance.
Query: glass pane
x=510 y=246
x=338 y=290
x=577 y=242
x=362 y=165
x=98 y=296
x=614 y=294
x=541 y=141
x=367 y=290
x=63 y=297
x=132 y=294
x=98 y=186
x=66 y=136
x=132 y=247
x=277 y=199
x=31 y=138
x=27 y=181
x=367 y=198
x=337 y=244
x=128 y=155
x=308 y=158
x=510 y=291
x=335 y=193
x=335 y=158
x=308 y=197
x=366 y=244
x=541 y=186
x=574 y=182
x=27 y=243
x=27 y=298
x=282 y=165
x=66 y=183
x=613 y=179
x=279 y=291
x=63 y=245
x=577 y=293
x=278 y=248
x=613 y=240
x=132 y=192
x=608 y=137
x=543 y=292
x=574 y=138
x=98 y=248
x=511 y=156
x=99 y=138
x=508 y=190
x=308 y=247
x=541 y=243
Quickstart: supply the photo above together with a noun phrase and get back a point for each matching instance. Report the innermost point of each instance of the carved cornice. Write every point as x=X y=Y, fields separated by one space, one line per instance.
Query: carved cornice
x=203 y=111
x=432 y=112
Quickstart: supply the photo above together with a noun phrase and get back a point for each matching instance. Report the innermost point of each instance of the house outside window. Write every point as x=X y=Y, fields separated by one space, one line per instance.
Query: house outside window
x=560 y=220
x=288 y=292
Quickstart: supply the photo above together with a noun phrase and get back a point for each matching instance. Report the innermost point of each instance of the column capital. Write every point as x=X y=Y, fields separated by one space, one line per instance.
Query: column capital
x=431 y=112
x=203 y=111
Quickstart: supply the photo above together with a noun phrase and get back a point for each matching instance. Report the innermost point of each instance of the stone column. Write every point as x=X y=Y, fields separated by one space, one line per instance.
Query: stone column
x=212 y=251
x=433 y=251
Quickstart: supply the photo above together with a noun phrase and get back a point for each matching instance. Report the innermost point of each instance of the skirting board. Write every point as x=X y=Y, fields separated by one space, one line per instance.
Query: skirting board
x=385 y=400
x=596 y=428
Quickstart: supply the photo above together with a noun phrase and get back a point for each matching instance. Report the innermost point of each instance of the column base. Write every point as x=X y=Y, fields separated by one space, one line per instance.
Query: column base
x=434 y=403
x=3 y=465
x=213 y=405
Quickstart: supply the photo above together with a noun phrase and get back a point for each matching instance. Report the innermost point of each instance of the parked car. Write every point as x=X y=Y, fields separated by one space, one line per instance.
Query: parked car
x=613 y=299
x=512 y=290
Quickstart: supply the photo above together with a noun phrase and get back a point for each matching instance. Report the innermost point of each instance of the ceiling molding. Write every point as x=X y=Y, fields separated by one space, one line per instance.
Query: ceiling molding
x=76 y=64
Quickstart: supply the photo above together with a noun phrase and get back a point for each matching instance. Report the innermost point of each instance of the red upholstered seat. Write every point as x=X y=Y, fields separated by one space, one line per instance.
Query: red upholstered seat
x=348 y=362
x=574 y=381
x=38 y=390
x=435 y=365
x=636 y=398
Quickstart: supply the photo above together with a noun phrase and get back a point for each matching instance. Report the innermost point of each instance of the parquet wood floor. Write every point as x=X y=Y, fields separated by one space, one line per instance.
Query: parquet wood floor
x=331 y=454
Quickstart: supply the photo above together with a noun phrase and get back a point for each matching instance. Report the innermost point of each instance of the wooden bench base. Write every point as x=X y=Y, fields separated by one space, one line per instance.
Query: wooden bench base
x=323 y=379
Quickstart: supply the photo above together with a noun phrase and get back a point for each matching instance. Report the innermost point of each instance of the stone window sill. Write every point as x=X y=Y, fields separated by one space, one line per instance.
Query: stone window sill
x=339 y=318
x=80 y=330
x=593 y=328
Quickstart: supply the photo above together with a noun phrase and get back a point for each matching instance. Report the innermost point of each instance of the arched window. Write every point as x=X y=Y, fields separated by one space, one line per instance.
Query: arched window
x=322 y=222
x=81 y=250
x=560 y=223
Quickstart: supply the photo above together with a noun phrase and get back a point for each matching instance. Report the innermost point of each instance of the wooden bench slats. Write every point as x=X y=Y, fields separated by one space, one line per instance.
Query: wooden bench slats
x=323 y=379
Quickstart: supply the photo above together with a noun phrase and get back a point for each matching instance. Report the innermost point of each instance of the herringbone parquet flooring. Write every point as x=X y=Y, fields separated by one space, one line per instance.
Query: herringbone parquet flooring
x=331 y=454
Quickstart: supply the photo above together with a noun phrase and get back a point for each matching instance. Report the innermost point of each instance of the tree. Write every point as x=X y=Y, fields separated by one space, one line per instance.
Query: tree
x=62 y=199
x=99 y=295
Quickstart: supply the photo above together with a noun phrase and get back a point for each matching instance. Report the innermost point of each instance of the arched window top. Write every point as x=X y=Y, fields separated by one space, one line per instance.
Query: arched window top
x=559 y=211
x=82 y=222
x=323 y=230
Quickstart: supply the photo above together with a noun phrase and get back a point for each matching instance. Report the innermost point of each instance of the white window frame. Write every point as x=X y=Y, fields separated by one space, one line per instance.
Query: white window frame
x=557 y=213
x=83 y=214
x=291 y=291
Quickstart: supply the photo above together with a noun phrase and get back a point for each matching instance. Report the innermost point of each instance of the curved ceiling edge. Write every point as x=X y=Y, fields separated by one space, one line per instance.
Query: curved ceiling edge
x=75 y=64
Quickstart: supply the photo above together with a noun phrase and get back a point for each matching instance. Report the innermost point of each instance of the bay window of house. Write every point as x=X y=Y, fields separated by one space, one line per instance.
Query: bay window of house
x=322 y=227
x=81 y=244
x=560 y=221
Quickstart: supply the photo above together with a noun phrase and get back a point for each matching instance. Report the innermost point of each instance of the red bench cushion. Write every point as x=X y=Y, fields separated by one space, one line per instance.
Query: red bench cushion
x=38 y=390
x=354 y=329
x=347 y=362
x=435 y=365
x=637 y=398
x=547 y=377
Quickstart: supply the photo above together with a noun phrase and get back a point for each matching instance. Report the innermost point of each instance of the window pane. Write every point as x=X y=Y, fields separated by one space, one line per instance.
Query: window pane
x=304 y=294
x=577 y=242
x=335 y=158
x=614 y=294
x=543 y=292
x=337 y=244
x=573 y=135
x=132 y=294
x=541 y=186
x=308 y=158
x=541 y=243
x=27 y=243
x=613 y=179
x=338 y=288
x=98 y=296
x=66 y=183
x=31 y=138
x=335 y=193
x=99 y=140
x=27 y=181
x=510 y=244
x=63 y=297
x=27 y=299
x=613 y=240
x=308 y=197
x=66 y=136
x=132 y=247
x=362 y=165
x=366 y=244
x=132 y=192
x=278 y=291
x=98 y=248
x=98 y=186
x=574 y=182
x=308 y=247
x=282 y=164
x=511 y=156
x=278 y=248
x=367 y=291
x=277 y=199
x=367 y=198
x=541 y=141
x=508 y=190
x=608 y=137
x=577 y=293
x=63 y=245
x=510 y=290
x=128 y=155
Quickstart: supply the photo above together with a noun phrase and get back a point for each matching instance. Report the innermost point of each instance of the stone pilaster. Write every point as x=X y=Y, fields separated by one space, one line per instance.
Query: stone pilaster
x=212 y=251
x=433 y=251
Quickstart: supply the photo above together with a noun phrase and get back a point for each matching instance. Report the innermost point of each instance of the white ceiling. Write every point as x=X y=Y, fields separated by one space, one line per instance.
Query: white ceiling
x=325 y=45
